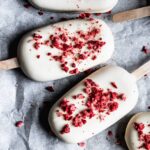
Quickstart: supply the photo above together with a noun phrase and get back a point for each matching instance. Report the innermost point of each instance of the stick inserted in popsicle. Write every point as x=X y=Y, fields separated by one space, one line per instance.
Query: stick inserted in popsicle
x=132 y=14
x=96 y=6
x=63 y=49
x=96 y=103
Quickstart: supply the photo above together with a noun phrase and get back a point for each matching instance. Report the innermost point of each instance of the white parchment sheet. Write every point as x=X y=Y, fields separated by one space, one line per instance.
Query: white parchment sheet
x=23 y=99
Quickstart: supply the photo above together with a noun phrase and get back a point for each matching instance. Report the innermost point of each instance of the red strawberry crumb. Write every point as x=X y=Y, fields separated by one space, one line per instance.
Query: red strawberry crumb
x=114 y=85
x=145 y=50
x=38 y=56
x=19 y=124
x=84 y=15
x=74 y=71
x=40 y=13
x=82 y=144
x=78 y=96
x=36 y=45
x=50 y=89
x=65 y=129
x=109 y=133
x=37 y=36
x=144 y=139
x=139 y=126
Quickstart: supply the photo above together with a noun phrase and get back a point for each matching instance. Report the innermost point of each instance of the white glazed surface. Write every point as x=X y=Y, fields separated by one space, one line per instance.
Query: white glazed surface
x=100 y=6
x=131 y=135
x=126 y=84
x=43 y=69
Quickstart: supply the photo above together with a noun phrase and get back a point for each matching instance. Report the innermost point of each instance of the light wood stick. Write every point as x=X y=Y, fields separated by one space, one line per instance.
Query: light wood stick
x=9 y=64
x=143 y=70
x=132 y=14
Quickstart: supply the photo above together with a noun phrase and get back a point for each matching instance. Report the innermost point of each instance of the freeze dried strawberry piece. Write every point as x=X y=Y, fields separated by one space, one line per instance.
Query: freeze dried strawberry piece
x=109 y=133
x=64 y=37
x=84 y=15
x=36 y=45
x=95 y=45
x=147 y=146
x=67 y=117
x=74 y=71
x=65 y=129
x=139 y=126
x=66 y=107
x=79 y=96
x=40 y=13
x=38 y=56
x=114 y=85
x=19 y=124
x=113 y=106
x=122 y=97
x=50 y=89
x=80 y=119
x=143 y=138
x=145 y=50
x=37 y=36
x=73 y=65
x=82 y=144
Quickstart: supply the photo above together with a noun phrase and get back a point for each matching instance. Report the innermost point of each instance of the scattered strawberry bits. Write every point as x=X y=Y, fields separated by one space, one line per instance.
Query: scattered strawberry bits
x=99 y=103
x=144 y=139
x=73 y=48
x=110 y=133
x=84 y=15
x=145 y=50
x=66 y=129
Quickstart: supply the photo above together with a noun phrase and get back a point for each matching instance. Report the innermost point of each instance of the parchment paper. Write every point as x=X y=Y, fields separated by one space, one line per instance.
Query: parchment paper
x=26 y=100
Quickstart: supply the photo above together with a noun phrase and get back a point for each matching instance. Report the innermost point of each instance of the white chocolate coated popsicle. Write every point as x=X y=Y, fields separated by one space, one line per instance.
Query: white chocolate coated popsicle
x=94 y=104
x=138 y=132
x=66 y=48
x=100 y=6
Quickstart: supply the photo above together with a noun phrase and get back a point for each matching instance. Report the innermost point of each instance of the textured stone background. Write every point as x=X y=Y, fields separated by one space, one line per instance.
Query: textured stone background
x=23 y=99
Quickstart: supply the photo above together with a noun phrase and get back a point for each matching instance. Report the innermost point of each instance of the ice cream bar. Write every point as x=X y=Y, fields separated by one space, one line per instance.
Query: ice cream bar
x=96 y=103
x=137 y=134
x=94 y=6
x=64 y=49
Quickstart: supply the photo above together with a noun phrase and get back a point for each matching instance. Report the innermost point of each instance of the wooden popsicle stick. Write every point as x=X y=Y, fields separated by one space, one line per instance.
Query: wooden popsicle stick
x=132 y=14
x=9 y=64
x=141 y=71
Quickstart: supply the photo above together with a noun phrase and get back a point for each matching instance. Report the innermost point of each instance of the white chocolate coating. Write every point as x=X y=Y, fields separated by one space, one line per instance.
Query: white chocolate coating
x=100 y=6
x=44 y=68
x=131 y=135
x=126 y=84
